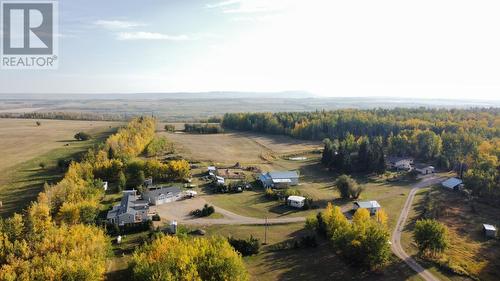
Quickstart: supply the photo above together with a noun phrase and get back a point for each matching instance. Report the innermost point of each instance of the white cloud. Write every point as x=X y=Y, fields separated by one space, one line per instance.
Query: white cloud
x=142 y=35
x=117 y=24
x=223 y=4
x=251 y=6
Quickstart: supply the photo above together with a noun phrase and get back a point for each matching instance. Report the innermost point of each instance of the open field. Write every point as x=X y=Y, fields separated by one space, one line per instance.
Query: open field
x=25 y=146
x=229 y=148
x=469 y=249
x=22 y=140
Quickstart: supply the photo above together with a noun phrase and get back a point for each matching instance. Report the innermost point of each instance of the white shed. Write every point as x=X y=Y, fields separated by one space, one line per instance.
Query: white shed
x=105 y=185
x=371 y=206
x=296 y=201
x=489 y=230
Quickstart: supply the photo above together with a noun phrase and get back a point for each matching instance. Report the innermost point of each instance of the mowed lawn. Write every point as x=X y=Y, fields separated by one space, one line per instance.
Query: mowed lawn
x=314 y=264
x=24 y=145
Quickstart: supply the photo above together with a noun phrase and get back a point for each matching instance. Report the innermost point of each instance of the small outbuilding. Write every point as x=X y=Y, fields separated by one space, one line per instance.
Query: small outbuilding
x=105 y=185
x=489 y=230
x=371 y=206
x=452 y=183
x=279 y=179
x=424 y=169
x=296 y=201
x=191 y=193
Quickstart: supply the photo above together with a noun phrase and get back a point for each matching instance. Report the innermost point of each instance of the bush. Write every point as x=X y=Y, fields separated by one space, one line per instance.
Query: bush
x=246 y=247
x=205 y=212
x=169 y=128
x=348 y=187
x=82 y=136
x=156 y=217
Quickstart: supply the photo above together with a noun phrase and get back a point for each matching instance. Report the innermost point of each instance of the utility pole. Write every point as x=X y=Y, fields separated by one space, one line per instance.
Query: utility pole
x=265 y=233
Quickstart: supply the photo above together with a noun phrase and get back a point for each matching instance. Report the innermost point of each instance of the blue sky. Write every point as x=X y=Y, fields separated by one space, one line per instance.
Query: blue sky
x=425 y=48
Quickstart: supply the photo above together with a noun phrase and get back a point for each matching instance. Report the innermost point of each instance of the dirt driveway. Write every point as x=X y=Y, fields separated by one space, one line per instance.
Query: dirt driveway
x=180 y=210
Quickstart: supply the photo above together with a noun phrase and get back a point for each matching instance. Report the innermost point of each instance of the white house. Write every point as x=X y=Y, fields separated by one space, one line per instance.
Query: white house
x=371 y=206
x=279 y=179
x=400 y=163
x=424 y=169
x=489 y=230
x=296 y=201
x=162 y=195
x=452 y=183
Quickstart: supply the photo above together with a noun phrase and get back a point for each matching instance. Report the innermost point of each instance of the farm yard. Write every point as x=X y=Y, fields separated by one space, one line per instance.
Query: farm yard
x=25 y=146
x=281 y=153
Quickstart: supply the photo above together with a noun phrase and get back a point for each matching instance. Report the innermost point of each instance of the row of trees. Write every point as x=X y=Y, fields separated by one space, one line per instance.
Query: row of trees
x=365 y=241
x=205 y=128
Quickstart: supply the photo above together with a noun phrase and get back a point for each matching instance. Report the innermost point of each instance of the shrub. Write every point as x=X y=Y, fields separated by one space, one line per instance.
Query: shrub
x=348 y=187
x=82 y=136
x=169 y=128
x=156 y=217
x=205 y=212
x=246 y=247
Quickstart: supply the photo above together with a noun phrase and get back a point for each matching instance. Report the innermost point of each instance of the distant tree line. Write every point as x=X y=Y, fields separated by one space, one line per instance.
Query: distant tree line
x=203 y=128
x=63 y=115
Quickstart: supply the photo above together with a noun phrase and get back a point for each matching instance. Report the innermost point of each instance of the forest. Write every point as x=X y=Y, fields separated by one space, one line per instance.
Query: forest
x=359 y=140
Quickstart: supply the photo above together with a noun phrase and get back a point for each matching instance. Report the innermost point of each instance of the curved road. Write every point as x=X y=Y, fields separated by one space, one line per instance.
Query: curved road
x=179 y=211
x=396 y=247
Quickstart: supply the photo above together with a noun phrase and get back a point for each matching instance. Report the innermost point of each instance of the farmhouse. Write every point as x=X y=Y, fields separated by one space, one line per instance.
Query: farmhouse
x=400 y=163
x=162 y=195
x=489 y=230
x=424 y=169
x=295 y=201
x=371 y=206
x=130 y=210
x=452 y=183
x=279 y=179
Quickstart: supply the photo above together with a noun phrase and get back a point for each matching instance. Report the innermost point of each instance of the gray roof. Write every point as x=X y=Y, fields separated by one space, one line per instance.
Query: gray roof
x=423 y=166
x=451 y=182
x=283 y=174
x=367 y=204
x=130 y=203
x=163 y=190
x=394 y=159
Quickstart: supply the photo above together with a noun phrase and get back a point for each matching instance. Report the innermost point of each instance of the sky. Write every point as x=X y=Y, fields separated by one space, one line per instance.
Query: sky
x=415 y=49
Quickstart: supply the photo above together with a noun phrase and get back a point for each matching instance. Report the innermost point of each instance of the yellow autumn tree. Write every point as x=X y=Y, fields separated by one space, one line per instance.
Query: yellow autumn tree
x=170 y=258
